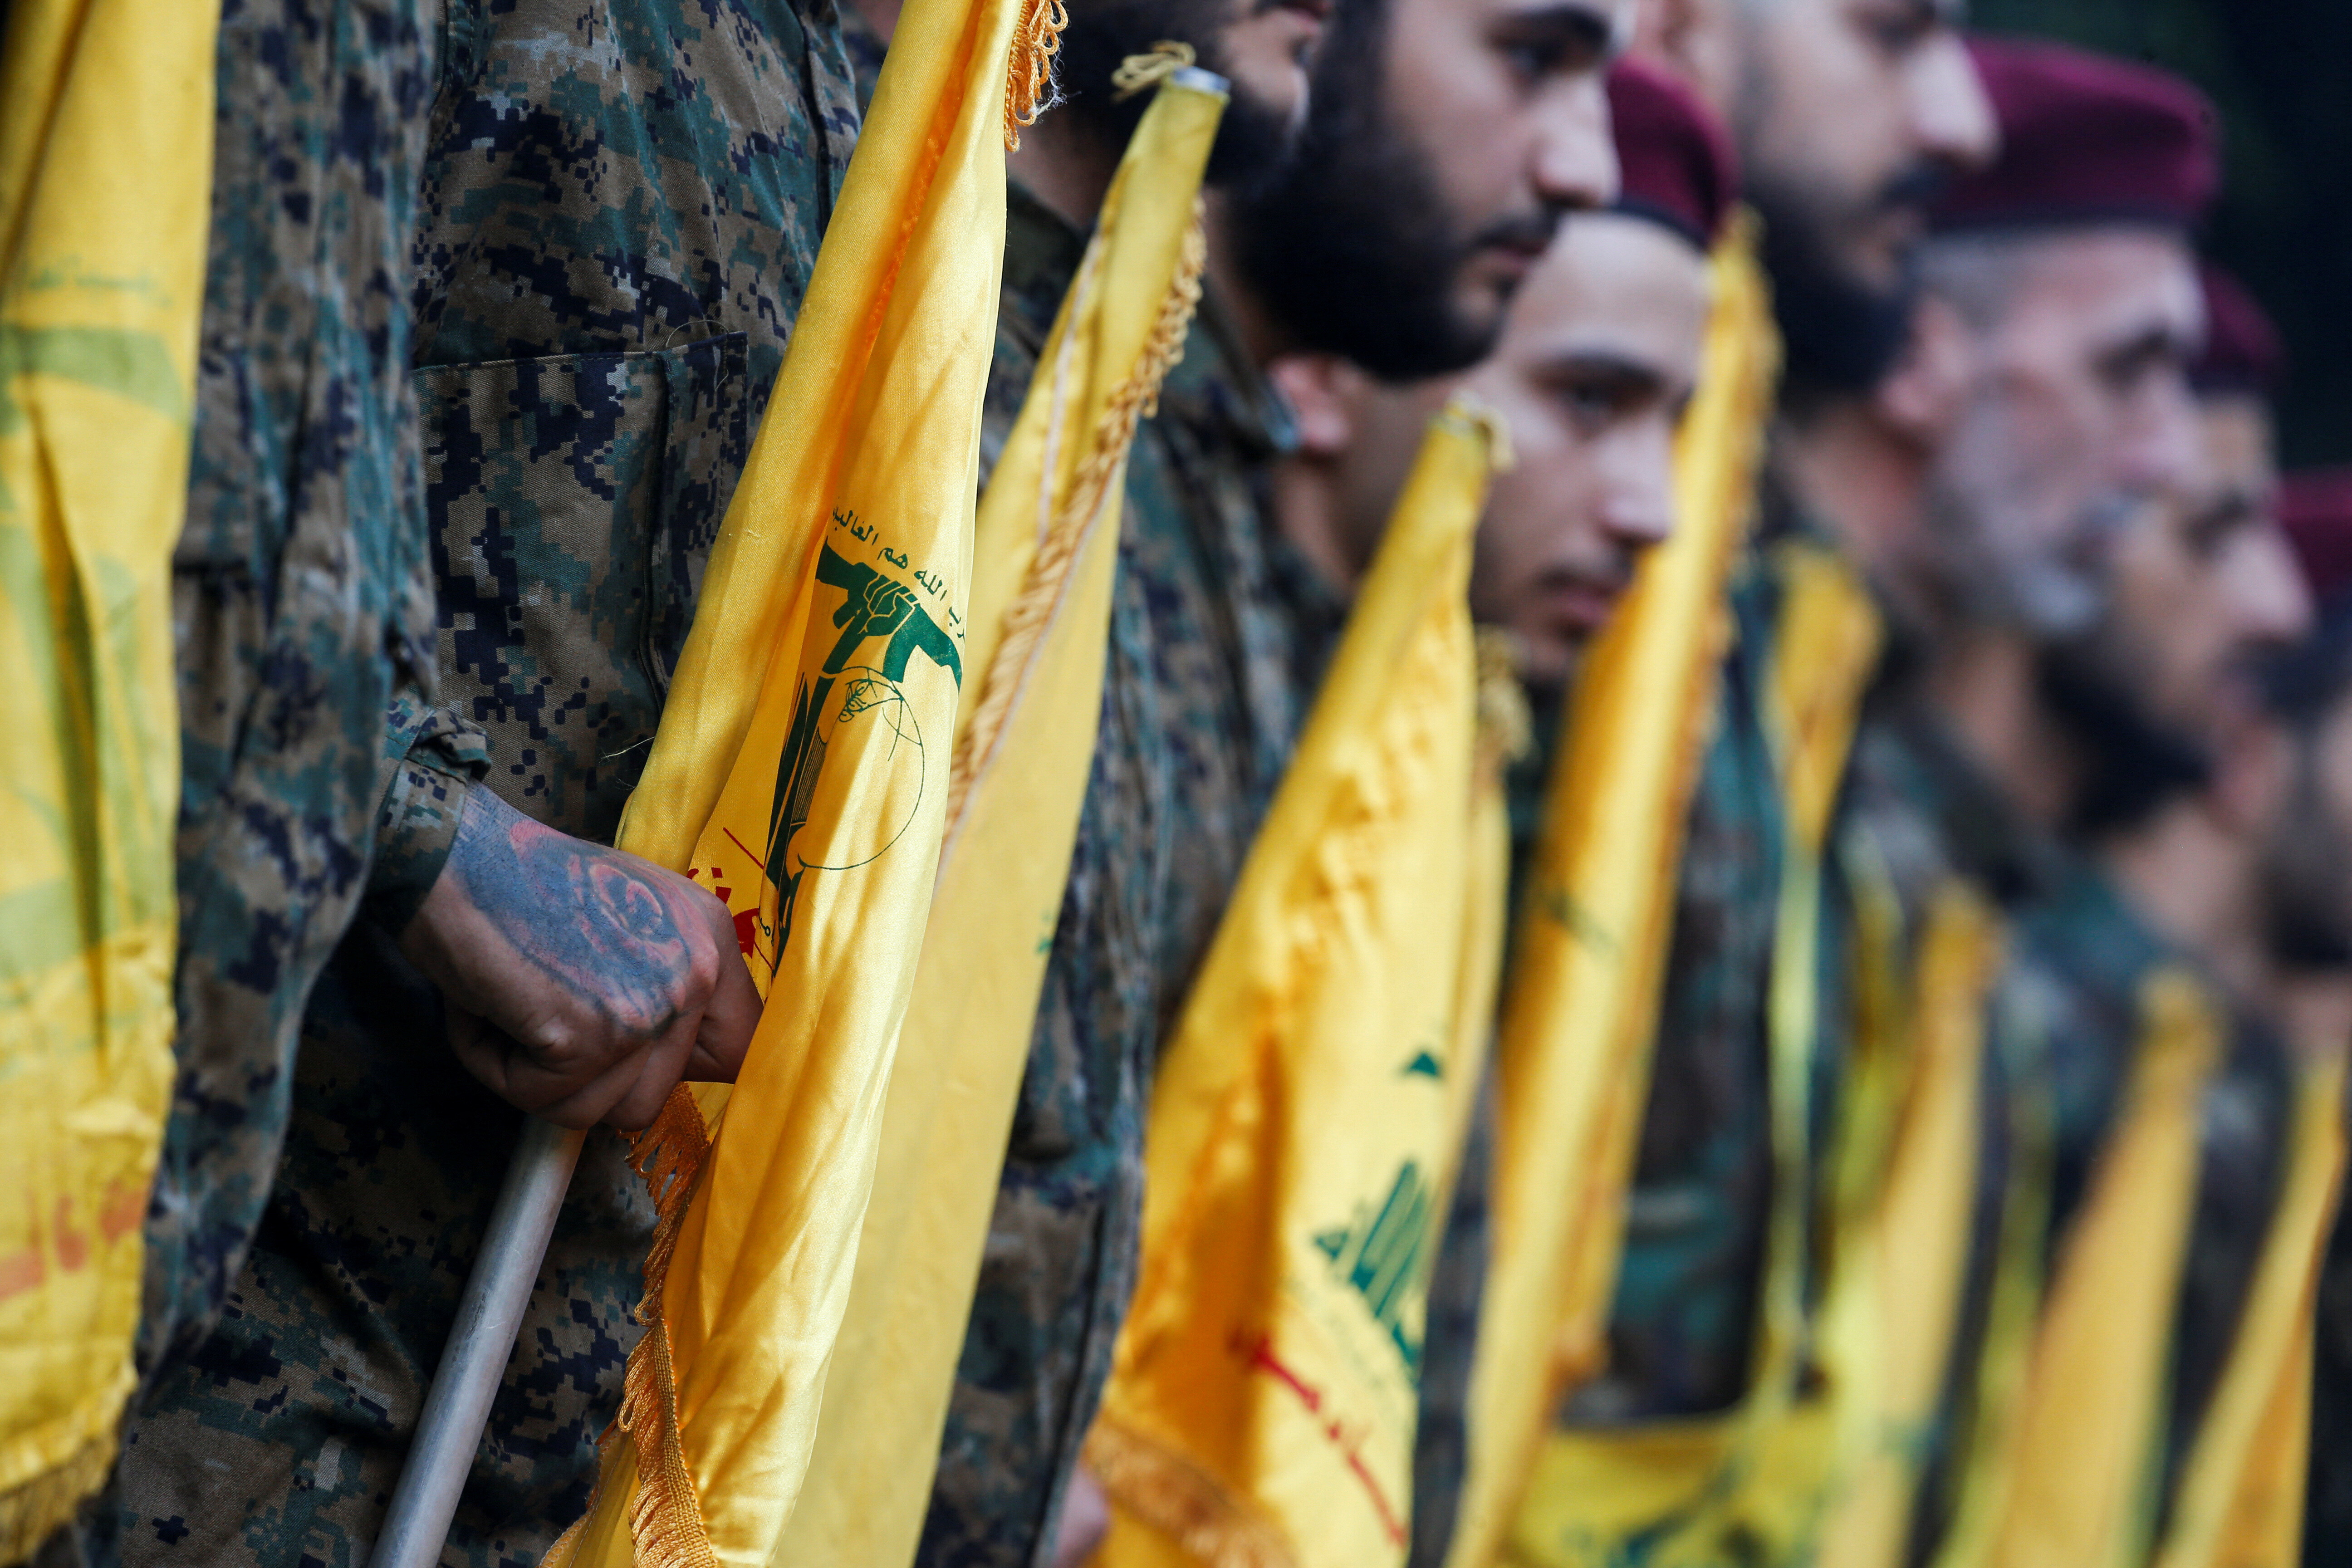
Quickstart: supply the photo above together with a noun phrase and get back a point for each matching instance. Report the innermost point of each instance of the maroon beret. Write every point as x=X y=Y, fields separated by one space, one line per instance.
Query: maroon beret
x=1676 y=159
x=2315 y=506
x=2086 y=139
x=2243 y=352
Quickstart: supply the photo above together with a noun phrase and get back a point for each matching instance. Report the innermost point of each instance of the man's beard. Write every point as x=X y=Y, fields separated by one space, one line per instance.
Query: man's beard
x=1350 y=247
x=2307 y=881
x=1987 y=552
x=2134 y=759
x=1841 y=335
x=1252 y=140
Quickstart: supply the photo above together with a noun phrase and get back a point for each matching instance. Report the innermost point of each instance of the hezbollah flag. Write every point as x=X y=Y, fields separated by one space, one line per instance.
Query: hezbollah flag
x=1043 y=555
x=2065 y=1481
x=2241 y=1497
x=1582 y=1003
x=106 y=140
x=1263 y=1397
x=801 y=772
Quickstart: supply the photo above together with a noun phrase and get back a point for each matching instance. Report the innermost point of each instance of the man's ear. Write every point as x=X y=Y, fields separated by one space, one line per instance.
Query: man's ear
x=1923 y=396
x=1324 y=394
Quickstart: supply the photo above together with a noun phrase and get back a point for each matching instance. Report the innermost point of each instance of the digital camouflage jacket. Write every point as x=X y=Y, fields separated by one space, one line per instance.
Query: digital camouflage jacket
x=613 y=210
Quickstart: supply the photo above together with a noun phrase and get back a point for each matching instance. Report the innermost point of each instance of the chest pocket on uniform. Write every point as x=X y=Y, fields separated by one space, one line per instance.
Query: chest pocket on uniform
x=572 y=504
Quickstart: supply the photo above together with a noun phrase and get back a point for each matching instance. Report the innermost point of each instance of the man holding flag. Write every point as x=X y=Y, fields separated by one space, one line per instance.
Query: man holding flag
x=1593 y=374
x=1058 y=1260
x=1205 y=693
x=585 y=423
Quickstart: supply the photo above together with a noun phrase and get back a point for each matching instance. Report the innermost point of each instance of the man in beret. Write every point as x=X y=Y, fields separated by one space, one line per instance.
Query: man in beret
x=2313 y=943
x=2078 y=598
x=1597 y=361
x=1847 y=120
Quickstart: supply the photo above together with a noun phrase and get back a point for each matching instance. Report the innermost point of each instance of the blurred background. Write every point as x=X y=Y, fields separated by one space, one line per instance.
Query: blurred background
x=2276 y=69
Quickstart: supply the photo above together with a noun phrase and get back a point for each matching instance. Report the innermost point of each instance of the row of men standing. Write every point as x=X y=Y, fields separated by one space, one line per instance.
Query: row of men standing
x=497 y=294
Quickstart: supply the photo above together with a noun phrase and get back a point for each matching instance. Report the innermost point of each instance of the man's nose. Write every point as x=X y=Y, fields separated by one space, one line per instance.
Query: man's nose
x=1575 y=153
x=2273 y=602
x=2162 y=448
x=1637 y=503
x=1952 y=120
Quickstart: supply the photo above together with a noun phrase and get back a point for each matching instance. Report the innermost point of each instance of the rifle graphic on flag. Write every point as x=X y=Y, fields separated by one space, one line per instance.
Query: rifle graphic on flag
x=1045 y=554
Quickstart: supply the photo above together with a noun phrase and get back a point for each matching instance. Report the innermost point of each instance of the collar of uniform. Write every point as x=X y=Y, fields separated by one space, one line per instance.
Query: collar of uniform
x=1217 y=387
x=1989 y=837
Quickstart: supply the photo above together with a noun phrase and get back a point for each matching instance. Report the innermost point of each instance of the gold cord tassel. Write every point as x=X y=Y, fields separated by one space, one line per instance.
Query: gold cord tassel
x=1025 y=620
x=1137 y=72
x=1029 y=91
x=666 y=1520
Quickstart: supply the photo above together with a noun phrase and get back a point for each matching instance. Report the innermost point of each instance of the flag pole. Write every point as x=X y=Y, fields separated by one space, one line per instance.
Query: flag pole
x=490 y=1315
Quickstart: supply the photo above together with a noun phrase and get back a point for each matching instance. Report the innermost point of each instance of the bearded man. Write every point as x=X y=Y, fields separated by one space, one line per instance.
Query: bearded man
x=1202 y=704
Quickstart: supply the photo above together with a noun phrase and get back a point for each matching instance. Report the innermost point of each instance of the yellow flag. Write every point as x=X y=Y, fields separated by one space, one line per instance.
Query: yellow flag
x=1582 y=1002
x=1753 y=1484
x=801 y=772
x=106 y=142
x=2240 y=1503
x=1263 y=1397
x=1506 y=734
x=2069 y=1486
x=1044 y=557
x=1905 y=1277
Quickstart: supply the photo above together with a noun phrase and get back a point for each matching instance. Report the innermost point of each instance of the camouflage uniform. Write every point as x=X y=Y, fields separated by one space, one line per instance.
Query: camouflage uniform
x=301 y=607
x=1916 y=815
x=1213 y=626
x=1682 y=1326
x=2328 y=1517
x=2065 y=1026
x=617 y=210
x=2081 y=959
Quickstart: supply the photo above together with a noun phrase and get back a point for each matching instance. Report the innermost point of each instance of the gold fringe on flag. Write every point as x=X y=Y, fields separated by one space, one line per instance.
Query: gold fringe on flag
x=1029 y=90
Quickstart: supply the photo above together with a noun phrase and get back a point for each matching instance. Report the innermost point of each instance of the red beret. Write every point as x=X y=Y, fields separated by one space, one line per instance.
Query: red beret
x=2315 y=506
x=1676 y=159
x=2243 y=352
x=2086 y=139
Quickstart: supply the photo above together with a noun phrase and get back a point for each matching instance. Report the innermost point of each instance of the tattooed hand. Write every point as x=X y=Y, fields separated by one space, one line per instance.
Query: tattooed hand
x=583 y=984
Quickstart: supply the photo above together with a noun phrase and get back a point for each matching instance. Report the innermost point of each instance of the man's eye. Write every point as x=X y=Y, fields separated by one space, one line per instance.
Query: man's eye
x=1591 y=408
x=1896 y=33
x=1534 y=61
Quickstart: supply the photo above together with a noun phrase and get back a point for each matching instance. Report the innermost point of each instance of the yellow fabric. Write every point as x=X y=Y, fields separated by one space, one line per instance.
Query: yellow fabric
x=1919 y=1231
x=801 y=772
x=1263 y=1398
x=1044 y=553
x=106 y=141
x=1752 y=1486
x=2240 y=1503
x=1590 y=952
x=1505 y=732
x=2072 y=1485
